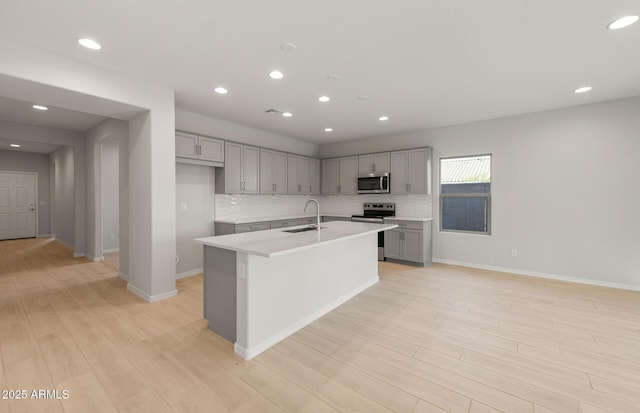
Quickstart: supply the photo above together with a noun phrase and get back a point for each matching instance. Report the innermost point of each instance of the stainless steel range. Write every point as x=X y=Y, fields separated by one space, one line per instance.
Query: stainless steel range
x=376 y=212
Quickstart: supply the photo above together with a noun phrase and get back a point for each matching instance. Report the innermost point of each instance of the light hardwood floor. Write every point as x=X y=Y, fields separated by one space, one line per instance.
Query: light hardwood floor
x=440 y=339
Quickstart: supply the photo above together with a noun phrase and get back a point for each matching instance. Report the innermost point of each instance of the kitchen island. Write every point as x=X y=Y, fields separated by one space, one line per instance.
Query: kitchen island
x=261 y=287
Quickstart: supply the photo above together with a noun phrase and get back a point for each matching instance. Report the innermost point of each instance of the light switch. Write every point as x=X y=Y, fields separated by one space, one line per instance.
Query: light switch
x=242 y=271
x=183 y=206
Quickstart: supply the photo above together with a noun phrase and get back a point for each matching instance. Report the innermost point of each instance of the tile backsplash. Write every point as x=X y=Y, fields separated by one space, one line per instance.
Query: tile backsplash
x=239 y=205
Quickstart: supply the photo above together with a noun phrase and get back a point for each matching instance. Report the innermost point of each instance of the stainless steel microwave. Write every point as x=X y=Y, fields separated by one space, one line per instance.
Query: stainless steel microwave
x=374 y=183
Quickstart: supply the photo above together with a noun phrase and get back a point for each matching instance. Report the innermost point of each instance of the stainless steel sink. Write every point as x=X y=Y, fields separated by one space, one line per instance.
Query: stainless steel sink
x=305 y=229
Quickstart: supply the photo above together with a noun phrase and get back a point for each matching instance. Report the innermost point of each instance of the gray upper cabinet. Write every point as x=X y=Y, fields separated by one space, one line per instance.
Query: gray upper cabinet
x=349 y=175
x=192 y=148
x=273 y=172
x=339 y=175
x=411 y=171
x=314 y=176
x=298 y=172
x=331 y=176
x=241 y=170
x=374 y=162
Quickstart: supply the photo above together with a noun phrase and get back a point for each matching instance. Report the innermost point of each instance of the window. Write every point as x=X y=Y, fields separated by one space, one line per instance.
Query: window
x=465 y=194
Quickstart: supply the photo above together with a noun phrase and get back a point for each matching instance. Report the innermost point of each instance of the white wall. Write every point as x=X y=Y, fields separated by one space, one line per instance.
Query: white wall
x=32 y=162
x=199 y=124
x=103 y=192
x=110 y=195
x=195 y=187
x=564 y=191
x=64 y=188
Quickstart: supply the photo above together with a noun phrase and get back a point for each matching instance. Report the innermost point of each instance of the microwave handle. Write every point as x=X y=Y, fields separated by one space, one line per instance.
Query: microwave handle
x=381 y=182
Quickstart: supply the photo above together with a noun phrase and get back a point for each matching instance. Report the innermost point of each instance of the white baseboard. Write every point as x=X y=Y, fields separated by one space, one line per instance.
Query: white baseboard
x=189 y=273
x=109 y=251
x=78 y=254
x=46 y=236
x=150 y=298
x=123 y=276
x=95 y=259
x=556 y=277
x=249 y=353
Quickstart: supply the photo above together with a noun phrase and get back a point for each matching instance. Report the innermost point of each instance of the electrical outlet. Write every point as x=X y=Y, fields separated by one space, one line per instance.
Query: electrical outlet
x=242 y=271
x=111 y=237
x=514 y=252
x=183 y=206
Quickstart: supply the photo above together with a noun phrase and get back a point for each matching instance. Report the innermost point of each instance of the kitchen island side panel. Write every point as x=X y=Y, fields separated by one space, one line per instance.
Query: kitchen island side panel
x=278 y=296
x=220 y=291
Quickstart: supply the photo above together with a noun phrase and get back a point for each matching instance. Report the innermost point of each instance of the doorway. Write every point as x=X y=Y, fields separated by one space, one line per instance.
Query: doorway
x=18 y=200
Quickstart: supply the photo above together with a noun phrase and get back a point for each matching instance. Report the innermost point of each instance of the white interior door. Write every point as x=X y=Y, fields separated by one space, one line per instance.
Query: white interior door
x=17 y=205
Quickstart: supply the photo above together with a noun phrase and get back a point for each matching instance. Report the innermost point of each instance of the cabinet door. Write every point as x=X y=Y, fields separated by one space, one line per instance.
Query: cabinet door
x=393 y=244
x=266 y=172
x=349 y=175
x=381 y=162
x=330 y=176
x=292 y=174
x=412 y=245
x=303 y=175
x=186 y=145
x=417 y=179
x=211 y=149
x=399 y=164
x=365 y=164
x=251 y=170
x=280 y=172
x=314 y=176
x=233 y=168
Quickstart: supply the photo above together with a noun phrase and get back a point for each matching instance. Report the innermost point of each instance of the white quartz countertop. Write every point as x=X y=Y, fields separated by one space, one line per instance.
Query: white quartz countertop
x=401 y=218
x=247 y=220
x=277 y=242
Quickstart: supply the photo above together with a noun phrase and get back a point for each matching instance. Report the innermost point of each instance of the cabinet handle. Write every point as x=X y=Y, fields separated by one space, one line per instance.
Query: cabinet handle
x=406 y=187
x=338 y=188
x=274 y=187
x=310 y=191
x=299 y=188
x=402 y=236
x=373 y=167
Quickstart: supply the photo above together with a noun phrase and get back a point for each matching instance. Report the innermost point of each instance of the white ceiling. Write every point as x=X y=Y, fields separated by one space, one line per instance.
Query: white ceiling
x=424 y=63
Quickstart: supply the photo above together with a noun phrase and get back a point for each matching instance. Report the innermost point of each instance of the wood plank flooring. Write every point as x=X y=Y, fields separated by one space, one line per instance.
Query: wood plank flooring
x=440 y=339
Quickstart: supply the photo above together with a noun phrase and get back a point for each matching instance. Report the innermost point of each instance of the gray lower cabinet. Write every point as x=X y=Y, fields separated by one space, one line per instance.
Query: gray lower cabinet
x=284 y=223
x=306 y=220
x=223 y=228
x=331 y=218
x=409 y=243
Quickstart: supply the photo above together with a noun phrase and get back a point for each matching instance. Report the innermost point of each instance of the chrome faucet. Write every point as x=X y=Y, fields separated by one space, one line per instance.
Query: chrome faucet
x=317 y=211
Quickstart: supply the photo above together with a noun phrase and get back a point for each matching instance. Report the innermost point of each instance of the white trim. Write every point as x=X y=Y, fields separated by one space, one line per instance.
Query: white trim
x=79 y=254
x=123 y=276
x=556 y=277
x=249 y=353
x=95 y=259
x=46 y=236
x=109 y=251
x=150 y=298
x=189 y=273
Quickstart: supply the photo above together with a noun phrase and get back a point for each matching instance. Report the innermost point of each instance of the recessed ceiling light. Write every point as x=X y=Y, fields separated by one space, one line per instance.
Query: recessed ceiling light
x=362 y=98
x=622 y=22
x=276 y=74
x=333 y=78
x=583 y=89
x=220 y=90
x=324 y=98
x=40 y=107
x=287 y=114
x=14 y=145
x=89 y=44
x=383 y=118
x=328 y=129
